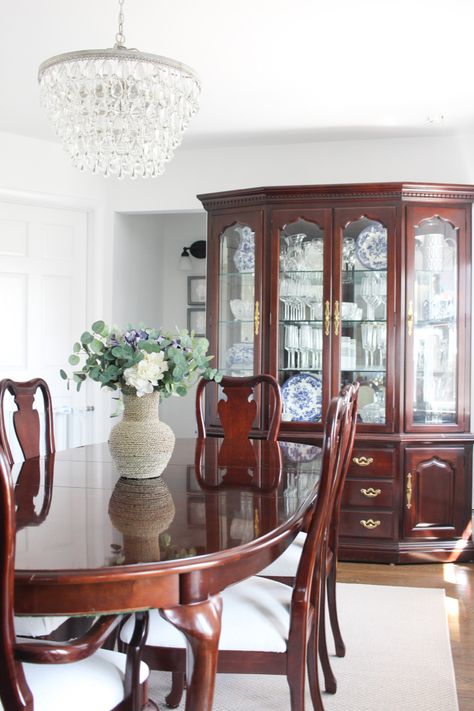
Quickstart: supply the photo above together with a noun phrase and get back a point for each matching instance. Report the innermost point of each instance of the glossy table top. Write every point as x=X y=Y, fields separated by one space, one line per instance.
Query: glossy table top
x=212 y=501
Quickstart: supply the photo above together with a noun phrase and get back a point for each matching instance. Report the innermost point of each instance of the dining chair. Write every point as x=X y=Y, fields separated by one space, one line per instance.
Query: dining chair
x=284 y=568
x=284 y=621
x=46 y=676
x=33 y=438
x=237 y=413
x=26 y=419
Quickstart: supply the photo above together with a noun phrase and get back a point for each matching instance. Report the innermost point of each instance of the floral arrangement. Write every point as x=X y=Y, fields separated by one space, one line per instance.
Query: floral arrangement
x=145 y=359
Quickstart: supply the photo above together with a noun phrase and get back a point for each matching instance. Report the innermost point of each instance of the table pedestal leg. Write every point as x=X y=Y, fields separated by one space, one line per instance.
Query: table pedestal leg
x=200 y=622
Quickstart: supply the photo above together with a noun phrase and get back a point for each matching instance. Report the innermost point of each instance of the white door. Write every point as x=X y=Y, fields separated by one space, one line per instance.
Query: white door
x=43 y=262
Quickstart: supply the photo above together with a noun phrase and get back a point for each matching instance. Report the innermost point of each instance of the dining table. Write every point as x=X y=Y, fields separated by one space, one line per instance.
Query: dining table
x=90 y=542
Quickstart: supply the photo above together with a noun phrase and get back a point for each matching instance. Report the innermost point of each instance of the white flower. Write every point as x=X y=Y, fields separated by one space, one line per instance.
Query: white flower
x=145 y=375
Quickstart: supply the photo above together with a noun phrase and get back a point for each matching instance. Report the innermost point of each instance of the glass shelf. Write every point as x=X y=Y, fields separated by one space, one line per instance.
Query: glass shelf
x=300 y=370
x=435 y=322
x=235 y=321
x=364 y=369
x=300 y=320
x=236 y=274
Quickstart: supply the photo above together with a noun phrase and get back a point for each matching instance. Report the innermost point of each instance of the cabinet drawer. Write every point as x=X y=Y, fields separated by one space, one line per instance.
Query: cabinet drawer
x=372 y=462
x=368 y=492
x=377 y=524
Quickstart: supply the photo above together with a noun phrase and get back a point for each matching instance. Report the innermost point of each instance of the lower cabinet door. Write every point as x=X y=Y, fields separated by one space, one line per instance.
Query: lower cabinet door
x=435 y=494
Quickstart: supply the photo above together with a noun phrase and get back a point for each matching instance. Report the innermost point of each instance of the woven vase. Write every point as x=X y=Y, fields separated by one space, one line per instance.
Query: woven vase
x=141 y=510
x=140 y=444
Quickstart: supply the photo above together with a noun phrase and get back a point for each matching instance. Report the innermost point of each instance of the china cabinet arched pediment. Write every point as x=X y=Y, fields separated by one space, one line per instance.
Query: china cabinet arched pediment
x=322 y=285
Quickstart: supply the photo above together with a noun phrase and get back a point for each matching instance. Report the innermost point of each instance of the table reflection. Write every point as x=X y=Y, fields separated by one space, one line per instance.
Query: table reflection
x=140 y=509
x=212 y=496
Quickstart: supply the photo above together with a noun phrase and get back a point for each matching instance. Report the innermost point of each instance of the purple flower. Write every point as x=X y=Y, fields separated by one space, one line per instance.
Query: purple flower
x=133 y=337
x=113 y=340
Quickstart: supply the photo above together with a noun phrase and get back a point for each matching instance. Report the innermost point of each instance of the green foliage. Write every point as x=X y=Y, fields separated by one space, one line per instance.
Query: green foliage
x=112 y=357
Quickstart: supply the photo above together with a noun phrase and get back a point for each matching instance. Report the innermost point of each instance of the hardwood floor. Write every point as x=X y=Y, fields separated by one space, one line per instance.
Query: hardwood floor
x=458 y=581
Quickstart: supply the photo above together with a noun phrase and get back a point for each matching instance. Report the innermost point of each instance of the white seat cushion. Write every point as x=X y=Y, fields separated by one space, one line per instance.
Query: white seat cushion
x=37 y=626
x=287 y=564
x=255 y=617
x=93 y=684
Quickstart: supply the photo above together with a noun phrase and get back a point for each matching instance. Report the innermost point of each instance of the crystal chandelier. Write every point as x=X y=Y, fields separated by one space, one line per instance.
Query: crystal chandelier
x=119 y=111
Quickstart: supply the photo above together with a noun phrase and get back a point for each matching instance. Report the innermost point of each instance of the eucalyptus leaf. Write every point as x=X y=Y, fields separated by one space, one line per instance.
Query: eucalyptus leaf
x=98 y=327
x=74 y=359
x=96 y=346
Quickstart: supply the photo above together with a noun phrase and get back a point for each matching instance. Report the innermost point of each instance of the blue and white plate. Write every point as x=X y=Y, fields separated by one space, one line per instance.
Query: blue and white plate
x=371 y=247
x=240 y=355
x=302 y=398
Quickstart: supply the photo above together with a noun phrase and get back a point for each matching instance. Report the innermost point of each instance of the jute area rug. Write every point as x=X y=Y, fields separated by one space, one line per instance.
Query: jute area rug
x=398 y=659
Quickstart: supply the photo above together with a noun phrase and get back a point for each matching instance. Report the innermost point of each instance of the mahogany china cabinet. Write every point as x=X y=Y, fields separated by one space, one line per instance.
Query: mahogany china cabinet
x=322 y=285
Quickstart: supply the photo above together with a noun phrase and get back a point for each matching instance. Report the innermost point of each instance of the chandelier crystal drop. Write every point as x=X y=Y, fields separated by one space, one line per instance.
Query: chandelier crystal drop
x=119 y=111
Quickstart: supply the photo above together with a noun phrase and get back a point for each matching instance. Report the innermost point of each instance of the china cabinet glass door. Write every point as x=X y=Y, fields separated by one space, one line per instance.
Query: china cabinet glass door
x=433 y=314
x=303 y=313
x=238 y=307
x=362 y=310
x=234 y=317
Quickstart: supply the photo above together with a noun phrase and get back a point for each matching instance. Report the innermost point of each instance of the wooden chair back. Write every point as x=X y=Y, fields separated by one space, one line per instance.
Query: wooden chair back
x=350 y=393
x=26 y=419
x=238 y=412
x=309 y=574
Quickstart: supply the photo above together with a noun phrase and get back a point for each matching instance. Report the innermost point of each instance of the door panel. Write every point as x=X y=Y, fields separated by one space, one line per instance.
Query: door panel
x=43 y=261
x=434 y=500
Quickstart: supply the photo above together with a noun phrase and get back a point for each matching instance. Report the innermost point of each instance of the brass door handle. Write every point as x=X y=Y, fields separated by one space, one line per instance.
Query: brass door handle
x=370 y=492
x=369 y=523
x=410 y=318
x=409 y=490
x=363 y=461
x=337 y=318
x=256 y=318
x=327 y=318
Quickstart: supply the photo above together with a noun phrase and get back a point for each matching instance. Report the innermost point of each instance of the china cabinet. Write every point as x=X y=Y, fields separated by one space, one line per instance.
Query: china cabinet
x=322 y=285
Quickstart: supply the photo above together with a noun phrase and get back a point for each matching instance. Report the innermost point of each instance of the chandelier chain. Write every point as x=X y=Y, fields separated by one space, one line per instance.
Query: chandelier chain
x=120 y=37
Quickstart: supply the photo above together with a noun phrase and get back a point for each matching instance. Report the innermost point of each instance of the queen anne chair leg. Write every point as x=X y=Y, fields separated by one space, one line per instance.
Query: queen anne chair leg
x=313 y=679
x=296 y=670
x=330 y=683
x=332 y=607
x=177 y=688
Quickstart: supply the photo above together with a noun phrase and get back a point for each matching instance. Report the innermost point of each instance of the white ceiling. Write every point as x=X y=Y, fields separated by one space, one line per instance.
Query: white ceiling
x=271 y=70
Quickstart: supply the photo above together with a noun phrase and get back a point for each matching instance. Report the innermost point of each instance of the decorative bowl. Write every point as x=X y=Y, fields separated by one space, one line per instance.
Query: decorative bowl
x=241 y=310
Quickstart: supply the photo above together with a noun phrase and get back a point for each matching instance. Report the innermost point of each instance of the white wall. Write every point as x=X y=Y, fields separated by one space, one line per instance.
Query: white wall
x=442 y=159
x=149 y=287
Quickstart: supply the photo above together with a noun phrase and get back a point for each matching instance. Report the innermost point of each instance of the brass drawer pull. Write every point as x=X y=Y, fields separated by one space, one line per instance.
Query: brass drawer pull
x=409 y=491
x=327 y=318
x=257 y=318
x=337 y=318
x=363 y=461
x=410 y=318
x=370 y=492
x=370 y=523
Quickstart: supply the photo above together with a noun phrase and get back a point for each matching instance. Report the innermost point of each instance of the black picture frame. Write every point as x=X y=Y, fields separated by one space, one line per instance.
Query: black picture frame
x=197 y=321
x=196 y=290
